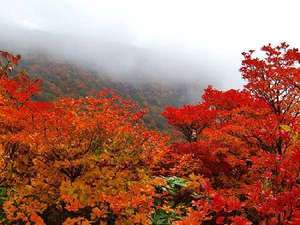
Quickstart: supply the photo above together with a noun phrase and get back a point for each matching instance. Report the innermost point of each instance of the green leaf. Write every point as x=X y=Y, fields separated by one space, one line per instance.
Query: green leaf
x=175 y=182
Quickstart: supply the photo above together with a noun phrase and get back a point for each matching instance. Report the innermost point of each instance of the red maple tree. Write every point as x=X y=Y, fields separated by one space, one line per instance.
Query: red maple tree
x=245 y=143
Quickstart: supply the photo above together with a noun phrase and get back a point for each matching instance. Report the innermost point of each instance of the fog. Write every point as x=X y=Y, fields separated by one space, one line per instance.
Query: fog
x=141 y=41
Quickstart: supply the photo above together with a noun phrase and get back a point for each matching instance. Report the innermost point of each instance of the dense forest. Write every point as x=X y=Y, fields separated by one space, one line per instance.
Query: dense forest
x=69 y=80
x=74 y=152
x=65 y=79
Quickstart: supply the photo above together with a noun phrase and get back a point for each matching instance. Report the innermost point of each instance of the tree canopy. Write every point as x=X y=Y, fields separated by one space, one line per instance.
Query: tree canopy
x=235 y=158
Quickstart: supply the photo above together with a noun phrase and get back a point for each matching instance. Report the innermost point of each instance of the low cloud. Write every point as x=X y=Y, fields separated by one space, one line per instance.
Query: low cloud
x=140 y=41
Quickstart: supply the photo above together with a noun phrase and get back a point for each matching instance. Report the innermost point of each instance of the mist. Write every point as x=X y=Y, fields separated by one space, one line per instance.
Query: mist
x=173 y=42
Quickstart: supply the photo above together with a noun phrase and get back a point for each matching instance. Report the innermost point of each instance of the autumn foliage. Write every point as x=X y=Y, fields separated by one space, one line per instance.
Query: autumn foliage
x=74 y=161
x=236 y=158
x=244 y=144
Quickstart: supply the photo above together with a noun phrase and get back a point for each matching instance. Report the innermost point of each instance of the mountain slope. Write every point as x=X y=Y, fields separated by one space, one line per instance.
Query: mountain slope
x=64 y=79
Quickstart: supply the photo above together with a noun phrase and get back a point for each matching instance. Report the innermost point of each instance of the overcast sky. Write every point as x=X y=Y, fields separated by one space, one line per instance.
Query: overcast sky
x=206 y=35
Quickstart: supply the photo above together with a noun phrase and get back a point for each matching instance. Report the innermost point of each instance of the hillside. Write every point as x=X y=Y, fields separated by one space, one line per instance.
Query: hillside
x=92 y=161
x=61 y=78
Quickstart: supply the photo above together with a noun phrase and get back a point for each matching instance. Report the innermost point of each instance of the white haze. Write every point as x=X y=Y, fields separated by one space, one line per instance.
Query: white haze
x=139 y=40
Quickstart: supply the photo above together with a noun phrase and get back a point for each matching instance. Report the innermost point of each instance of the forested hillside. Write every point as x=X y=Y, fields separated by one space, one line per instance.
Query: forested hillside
x=233 y=159
x=65 y=79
